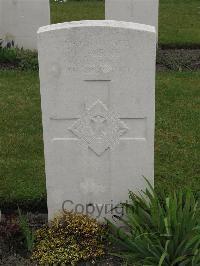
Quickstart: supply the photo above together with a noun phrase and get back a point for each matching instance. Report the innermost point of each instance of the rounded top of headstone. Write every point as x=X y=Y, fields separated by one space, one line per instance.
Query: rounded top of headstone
x=97 y=23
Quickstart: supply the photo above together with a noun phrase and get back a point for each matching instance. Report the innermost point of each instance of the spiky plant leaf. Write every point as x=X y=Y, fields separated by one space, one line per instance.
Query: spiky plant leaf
x=161 y=230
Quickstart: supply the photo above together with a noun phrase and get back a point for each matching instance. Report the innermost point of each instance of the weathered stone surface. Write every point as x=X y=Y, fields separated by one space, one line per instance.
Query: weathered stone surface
x=20 y=20
x=139 y=11
x=97 y=81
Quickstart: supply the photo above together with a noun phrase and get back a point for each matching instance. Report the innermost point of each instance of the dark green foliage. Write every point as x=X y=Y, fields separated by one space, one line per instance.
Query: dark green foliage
x=160 y=230
x=27 y=60
x=18 y=58
x=7 y=55
x=26 y=231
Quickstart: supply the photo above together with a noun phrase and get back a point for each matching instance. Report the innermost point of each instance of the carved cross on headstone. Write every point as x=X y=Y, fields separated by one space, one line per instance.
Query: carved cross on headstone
x=101 y=129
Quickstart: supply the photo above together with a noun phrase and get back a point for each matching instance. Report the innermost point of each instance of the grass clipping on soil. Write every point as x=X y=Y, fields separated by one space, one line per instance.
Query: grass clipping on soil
x=70 y=238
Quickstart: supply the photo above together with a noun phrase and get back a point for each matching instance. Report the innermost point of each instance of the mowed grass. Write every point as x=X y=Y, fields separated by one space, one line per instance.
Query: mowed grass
x=177 y=145
x=179 y=20
x=177 y=151
x=77 y=10
x=21 y=145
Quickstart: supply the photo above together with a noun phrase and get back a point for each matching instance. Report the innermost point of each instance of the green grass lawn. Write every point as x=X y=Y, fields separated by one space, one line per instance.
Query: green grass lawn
x=179 y=22
x=21 y=145
x=77 y=10
x=177 y=146
x=177 y=152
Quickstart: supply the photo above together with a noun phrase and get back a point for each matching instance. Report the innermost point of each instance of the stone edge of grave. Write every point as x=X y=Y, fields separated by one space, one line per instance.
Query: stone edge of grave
x=97 y=23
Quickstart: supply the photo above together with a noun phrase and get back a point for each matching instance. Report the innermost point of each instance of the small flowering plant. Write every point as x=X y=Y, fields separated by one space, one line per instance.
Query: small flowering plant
x=69 y=239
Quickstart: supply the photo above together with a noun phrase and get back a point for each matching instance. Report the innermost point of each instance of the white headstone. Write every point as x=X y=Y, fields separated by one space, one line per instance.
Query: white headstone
x=97 y=82
x=20 y=20
x=138 y=11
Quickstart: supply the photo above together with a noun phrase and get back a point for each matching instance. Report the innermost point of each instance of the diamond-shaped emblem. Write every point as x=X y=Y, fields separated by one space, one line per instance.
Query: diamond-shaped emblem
x=99 y=127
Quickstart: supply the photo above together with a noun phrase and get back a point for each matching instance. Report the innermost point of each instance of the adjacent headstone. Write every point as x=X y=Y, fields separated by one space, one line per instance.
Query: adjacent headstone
x=20 y=20
x=138 y=11
x=97 y=82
